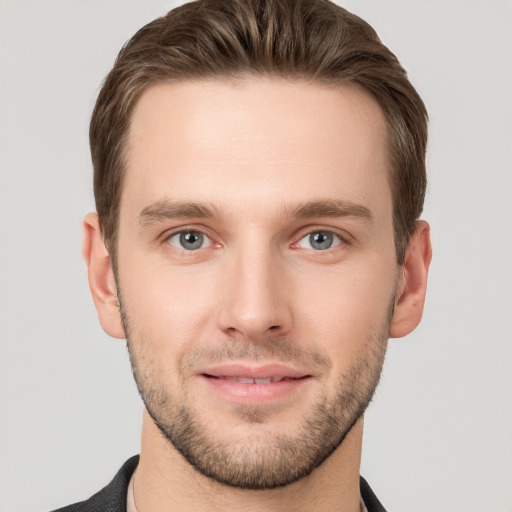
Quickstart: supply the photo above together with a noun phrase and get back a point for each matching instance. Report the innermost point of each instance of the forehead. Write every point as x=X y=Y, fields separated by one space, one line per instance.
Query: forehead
x=255 y=139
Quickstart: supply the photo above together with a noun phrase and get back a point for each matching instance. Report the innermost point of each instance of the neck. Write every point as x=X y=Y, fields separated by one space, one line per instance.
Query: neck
x=166 y=480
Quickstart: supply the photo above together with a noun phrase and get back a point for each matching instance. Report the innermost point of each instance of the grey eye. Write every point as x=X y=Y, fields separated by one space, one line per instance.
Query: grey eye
x=189 y=240
x=320 y=241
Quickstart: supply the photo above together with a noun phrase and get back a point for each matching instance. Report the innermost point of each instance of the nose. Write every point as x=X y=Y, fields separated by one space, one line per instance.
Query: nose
x=256 y=296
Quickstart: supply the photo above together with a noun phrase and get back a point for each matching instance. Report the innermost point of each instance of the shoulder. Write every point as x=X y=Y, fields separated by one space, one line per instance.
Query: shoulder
x=112 y=498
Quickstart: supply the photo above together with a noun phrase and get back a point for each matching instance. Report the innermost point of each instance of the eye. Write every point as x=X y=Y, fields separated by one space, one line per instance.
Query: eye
x=189 y=240
x=319 y=241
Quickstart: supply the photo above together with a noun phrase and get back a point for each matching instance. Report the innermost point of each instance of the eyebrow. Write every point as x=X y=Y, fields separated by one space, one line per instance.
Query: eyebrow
x=166 y=209
x=329 y=208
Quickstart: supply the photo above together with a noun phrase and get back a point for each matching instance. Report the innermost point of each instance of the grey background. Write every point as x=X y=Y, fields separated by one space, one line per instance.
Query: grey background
x=438 y=436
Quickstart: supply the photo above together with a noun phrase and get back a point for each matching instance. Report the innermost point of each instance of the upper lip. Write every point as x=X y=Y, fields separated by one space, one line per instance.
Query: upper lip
x=277 y=371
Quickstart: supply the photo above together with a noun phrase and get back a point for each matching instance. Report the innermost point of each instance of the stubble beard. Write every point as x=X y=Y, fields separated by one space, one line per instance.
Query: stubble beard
x=261 y=461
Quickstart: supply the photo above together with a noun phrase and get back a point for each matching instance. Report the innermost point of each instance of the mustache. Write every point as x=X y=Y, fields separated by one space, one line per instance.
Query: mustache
x=276 y=349
x=280 y=350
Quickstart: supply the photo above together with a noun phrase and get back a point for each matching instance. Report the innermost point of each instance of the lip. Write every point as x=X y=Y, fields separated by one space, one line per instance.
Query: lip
x=267 y=371
x=239 y=383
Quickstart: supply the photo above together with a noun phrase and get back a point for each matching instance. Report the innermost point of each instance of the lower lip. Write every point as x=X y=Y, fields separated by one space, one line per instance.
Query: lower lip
x=254 y=393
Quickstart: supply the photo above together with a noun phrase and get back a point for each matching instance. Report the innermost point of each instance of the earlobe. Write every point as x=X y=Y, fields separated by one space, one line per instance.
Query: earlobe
x=412 y=284
x=101 y=277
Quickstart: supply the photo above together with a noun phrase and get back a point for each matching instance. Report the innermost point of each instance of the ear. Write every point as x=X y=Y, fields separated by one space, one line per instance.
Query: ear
x=101 y=277
x=412 y=285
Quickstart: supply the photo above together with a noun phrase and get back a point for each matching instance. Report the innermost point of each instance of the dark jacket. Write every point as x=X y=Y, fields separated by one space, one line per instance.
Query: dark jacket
x=112 y=498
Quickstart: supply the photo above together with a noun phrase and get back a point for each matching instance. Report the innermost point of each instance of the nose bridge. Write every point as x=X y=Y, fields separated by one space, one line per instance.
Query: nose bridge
x=254 y=299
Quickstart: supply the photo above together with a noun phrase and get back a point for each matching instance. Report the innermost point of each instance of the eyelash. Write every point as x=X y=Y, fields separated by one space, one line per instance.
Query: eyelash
x=336 y=240
x=168 y=236
x=344 y=239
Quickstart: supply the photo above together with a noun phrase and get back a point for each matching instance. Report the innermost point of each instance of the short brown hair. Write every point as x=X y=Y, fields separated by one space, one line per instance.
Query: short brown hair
x=293 y=39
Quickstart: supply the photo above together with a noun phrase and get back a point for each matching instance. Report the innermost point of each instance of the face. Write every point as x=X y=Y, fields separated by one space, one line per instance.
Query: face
x=256 y=270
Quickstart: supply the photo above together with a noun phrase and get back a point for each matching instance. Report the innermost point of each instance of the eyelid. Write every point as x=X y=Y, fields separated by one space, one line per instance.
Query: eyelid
x=205 y=242
x=167 y=235
x=345 y=237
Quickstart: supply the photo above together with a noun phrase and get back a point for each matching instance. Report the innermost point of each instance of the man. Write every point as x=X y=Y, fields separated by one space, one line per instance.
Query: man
x=259 y=175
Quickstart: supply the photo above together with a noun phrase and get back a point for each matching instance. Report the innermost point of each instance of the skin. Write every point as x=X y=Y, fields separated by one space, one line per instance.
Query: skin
x=254 y=151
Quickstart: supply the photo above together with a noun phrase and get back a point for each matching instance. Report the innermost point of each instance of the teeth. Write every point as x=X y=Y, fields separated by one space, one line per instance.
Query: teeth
x=245 y=380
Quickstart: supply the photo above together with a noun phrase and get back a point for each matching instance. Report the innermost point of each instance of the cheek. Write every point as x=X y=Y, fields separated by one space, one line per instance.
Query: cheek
x=342 y=308
x=165 y=305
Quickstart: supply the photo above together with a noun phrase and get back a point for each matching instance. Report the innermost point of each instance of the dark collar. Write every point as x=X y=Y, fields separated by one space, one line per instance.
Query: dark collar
x=370 y=500
x=112 y=498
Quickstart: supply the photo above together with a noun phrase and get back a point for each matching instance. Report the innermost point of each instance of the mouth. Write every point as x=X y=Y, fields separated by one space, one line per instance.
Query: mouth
x=250 y=380
x=254 y=385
